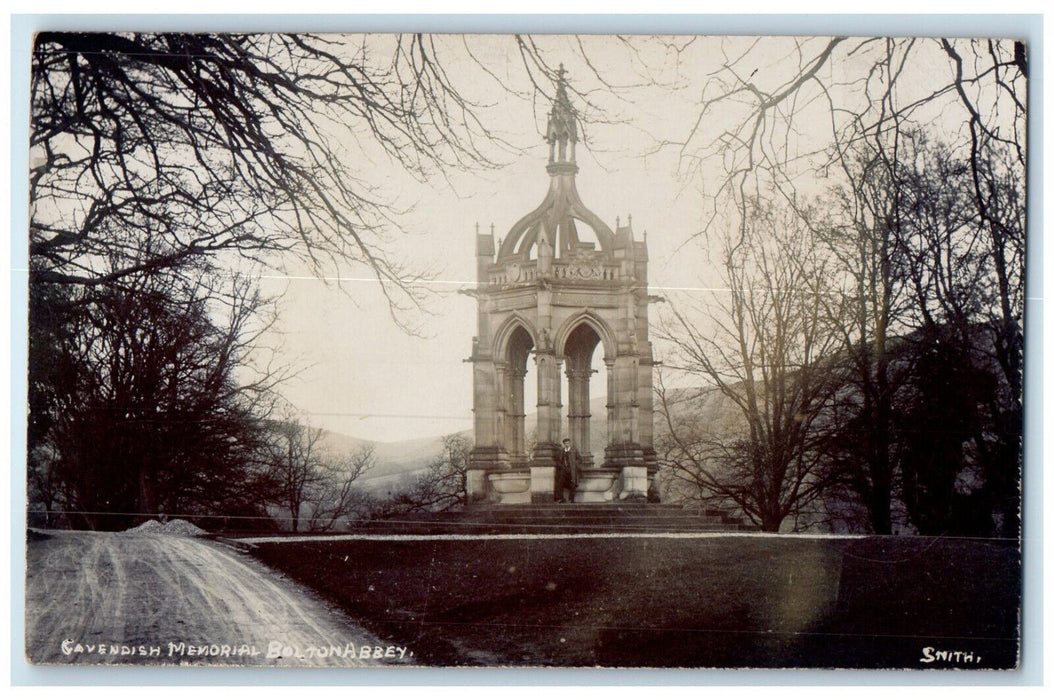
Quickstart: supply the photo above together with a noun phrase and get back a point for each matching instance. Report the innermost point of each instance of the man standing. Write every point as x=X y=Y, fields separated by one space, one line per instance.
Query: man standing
x=567 y=473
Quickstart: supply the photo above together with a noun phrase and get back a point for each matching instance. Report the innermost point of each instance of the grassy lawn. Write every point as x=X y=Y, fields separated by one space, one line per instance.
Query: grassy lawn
x=720 y=602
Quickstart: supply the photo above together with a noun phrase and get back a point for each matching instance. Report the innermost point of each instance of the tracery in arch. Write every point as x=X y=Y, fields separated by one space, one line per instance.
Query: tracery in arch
x=580 y=350
x=518 y=349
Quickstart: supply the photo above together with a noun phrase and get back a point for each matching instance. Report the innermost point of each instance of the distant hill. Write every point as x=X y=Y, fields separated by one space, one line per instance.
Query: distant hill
x=395 y=460
x=398 y=460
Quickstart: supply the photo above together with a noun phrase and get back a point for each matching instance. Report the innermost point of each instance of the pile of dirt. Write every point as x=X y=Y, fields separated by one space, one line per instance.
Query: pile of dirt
x=182 y=527
x=177 y=527
x=148 y=527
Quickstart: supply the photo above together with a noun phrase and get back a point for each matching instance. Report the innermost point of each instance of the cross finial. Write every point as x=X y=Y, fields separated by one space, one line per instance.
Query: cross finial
x=562 y=131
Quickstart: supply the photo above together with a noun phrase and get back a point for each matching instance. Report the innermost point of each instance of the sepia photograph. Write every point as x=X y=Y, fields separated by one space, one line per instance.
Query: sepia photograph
x=525 y=350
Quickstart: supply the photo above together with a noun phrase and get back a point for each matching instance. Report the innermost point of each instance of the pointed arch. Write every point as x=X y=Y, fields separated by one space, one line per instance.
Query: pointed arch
x=500 y=344
x=594 y=321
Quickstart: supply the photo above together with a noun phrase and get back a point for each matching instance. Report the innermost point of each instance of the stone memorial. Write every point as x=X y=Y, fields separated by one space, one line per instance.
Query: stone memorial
x=548 y=297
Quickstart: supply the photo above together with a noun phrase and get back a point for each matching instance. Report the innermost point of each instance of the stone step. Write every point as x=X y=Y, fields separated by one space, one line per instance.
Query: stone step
x=432 y=528
x=639 y=523
x=606 y=506
x=569 y=518
x=658 y=526
x=584 y=508
x=559 y=518
x=578 y=513
x=622 y=508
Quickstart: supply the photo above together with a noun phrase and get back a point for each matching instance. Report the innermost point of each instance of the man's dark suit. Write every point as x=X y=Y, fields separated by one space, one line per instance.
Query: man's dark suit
x=567 y=473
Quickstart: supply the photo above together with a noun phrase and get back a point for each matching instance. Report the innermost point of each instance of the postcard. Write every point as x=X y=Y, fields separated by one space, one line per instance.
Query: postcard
x=387 y=350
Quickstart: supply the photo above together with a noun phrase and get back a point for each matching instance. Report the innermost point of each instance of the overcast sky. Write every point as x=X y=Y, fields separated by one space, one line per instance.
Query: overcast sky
x=363 y=375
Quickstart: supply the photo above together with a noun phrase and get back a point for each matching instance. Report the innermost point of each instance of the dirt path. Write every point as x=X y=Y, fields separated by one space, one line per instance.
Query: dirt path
x=160 y=599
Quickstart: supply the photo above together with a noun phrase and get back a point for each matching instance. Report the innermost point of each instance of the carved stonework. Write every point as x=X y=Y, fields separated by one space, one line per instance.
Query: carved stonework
x=546 y=301
x=585 y=271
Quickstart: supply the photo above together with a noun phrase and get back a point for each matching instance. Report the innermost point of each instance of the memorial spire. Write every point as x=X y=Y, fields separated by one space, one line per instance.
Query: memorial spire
x=556 y=222
x=562 y=130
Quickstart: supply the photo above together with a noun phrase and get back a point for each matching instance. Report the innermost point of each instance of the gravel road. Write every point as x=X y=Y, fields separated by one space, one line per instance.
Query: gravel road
x=126 y=598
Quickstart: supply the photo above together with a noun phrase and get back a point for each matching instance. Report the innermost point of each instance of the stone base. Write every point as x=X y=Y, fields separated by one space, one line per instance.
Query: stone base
x=543 y=483
x=510 y=488
x=634 y=484
x=651 y=460
x=619 y=456
x=597 y=486
x=487 y=457
x=476 y=485
x=494 y=476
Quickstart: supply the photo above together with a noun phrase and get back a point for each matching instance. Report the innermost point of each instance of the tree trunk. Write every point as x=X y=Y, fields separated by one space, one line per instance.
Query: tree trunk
x=147 y=502
x=879 y=506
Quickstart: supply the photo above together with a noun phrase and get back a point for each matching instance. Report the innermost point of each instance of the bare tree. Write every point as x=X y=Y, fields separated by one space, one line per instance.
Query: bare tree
x=295 y=466
x=766 y=365
x=138 y=410
x=333 y=496
x=852 y=112
x=315 y=486
x=183 y=145
x=862 y=231
x=441 y=487
x=163 y=155
x=795 y=106
x=990 y=81
x=963 y=478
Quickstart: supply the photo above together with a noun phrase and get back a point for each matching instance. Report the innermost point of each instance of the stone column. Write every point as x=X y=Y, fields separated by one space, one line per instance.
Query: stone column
x=578 y=408
x=625 y=396
x=501 y=407
x=634 y=423
x=515 y=422
x=543 y=459
x=624 y=452
x=486 y=451
x=483 y=402
x=557 y=415
x=609 y=363
x=645 y=396
x=548 y=398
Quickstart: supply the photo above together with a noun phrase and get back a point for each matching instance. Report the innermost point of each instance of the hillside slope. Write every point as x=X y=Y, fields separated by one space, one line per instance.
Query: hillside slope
x=397 y=460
